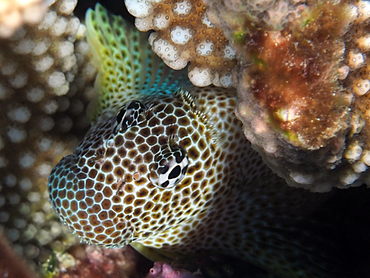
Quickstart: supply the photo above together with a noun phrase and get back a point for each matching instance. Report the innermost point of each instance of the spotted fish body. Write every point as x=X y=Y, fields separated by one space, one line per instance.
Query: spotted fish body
x=170 y=168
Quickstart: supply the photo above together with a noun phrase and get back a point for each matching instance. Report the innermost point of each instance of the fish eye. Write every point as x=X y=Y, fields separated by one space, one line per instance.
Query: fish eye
x=129 y=115
x=173 y=165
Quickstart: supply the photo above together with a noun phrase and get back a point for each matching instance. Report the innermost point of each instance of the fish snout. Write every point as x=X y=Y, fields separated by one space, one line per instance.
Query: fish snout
x=89 y=208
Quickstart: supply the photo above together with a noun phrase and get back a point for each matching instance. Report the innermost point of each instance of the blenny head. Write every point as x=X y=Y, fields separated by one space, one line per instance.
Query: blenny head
x=164 y=169
x=124 y=180
x=135 y=173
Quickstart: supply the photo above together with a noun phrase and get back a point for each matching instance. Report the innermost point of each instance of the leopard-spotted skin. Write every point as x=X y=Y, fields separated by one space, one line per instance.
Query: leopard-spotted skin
x=171 y=169
x=107 y=192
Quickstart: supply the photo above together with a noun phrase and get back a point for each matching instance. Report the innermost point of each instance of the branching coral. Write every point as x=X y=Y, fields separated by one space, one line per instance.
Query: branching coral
x=185 y=34
x=302 y=78
x=45 y=80
x=15 y=13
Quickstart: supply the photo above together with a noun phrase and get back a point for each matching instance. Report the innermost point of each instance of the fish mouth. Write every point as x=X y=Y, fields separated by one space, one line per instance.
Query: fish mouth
x=90 y=210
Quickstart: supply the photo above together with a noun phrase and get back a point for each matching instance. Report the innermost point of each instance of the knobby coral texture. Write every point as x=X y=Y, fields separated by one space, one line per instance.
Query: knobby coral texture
x=45 y=84
x=15 y=13
x=303 y=98
x=185 y=34
x=300 y=68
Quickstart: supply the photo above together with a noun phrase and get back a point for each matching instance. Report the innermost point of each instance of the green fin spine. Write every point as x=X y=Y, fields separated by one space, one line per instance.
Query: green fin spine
x=127 y=67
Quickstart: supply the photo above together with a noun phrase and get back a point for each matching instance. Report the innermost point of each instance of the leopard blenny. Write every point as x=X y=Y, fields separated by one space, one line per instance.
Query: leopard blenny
x=166 y=166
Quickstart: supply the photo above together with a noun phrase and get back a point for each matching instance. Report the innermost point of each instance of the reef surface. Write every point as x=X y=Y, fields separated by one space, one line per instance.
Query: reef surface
x=300 y=68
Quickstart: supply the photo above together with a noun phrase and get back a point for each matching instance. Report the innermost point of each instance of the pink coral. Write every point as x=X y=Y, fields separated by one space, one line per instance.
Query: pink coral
x=163 y=270
x=96 y=262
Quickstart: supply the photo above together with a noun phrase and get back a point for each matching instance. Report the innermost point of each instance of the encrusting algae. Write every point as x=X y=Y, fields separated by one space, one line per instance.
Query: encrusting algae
x=301 y=94
x=300 y=70
x=169 y=170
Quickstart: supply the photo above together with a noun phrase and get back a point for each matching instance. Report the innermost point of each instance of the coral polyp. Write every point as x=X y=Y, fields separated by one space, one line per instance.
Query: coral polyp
x=185 y=34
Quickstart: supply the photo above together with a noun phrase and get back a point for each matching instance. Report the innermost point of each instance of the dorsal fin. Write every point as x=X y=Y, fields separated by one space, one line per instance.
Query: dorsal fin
x=127 y=67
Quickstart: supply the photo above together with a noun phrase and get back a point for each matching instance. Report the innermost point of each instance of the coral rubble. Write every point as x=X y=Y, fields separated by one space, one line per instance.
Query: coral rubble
x=97 y=262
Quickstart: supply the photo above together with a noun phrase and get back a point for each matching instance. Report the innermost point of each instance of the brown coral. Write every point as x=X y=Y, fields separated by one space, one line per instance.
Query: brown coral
x=300 y=109
x=302 y=78
x=45 y=80
x=15 y=13
x=185 y=34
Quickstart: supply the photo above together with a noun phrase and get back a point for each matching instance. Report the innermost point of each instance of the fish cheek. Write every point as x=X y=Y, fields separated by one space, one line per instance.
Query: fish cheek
x=88 y=207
